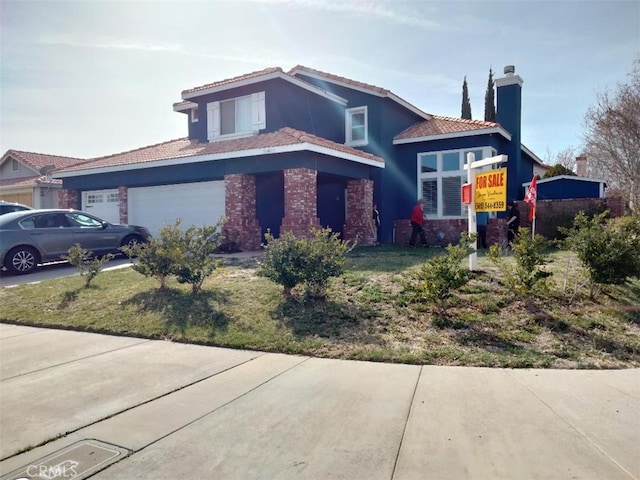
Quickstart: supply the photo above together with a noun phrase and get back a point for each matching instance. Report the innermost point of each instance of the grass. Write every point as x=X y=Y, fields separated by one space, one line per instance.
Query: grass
x=362 y=318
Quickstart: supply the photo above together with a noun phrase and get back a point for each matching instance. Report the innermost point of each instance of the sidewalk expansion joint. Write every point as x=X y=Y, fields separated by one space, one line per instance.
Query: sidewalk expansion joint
x=406 y=422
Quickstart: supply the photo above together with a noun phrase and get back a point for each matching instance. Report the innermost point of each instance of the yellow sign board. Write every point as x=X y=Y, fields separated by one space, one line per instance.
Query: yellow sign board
x=491 y=191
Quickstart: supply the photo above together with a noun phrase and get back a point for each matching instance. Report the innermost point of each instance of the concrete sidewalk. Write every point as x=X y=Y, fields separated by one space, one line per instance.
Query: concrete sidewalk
x=121 y=408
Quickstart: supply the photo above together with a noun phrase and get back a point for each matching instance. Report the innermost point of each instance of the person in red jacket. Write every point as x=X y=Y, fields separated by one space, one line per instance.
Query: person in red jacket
x=417 y=219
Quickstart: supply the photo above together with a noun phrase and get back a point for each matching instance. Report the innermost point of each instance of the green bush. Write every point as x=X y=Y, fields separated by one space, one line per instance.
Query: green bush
x=311 y=262
x=183 y=253
x=438 y=278
x=609 y=249
x=88 y=265
x=524 y=275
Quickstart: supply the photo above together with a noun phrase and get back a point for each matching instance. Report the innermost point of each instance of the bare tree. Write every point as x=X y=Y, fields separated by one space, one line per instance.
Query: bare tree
x=612 y=137
x=565 y=157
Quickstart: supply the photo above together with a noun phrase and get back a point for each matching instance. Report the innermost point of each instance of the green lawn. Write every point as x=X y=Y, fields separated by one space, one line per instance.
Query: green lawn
x=362 y=317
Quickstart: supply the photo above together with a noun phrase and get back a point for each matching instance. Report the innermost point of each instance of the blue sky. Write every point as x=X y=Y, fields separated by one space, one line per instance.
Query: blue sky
x=89 y=78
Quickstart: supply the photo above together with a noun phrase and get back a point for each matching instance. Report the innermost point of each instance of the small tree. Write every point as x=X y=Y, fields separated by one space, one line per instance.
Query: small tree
x=291 y=261
x=196 y=264
x=608 y=249
x=438 y=278
x=489 y=100
x=466 y=104
x=88 y=265
x=525 y=276
x=558 y=170
x=159 y=256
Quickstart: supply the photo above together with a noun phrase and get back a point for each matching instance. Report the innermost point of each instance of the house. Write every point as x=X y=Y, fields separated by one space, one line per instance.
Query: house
x=286 y=151
x=25 y=177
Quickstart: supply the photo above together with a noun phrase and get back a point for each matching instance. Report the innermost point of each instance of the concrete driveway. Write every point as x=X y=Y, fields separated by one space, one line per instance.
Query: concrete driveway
x=122 y=408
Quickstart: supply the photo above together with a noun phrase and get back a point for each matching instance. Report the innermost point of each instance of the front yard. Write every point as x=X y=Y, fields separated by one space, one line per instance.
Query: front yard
x=364 y=316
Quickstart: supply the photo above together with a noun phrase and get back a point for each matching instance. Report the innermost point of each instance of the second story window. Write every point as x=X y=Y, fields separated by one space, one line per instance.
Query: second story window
x=357 y=133
x=194 y=115
x=236 y=117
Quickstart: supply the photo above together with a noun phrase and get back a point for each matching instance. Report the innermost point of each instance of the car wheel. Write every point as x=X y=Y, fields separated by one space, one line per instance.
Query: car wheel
x=21 y=260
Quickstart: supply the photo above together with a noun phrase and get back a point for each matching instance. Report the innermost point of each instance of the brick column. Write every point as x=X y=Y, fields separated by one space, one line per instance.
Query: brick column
x=123 y=206
x=300 y=201
x=242 y=225
x=359 y=222
x=69 y=198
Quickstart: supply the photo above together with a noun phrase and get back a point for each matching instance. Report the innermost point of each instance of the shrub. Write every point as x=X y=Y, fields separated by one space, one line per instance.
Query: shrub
x=88 y=266
x=438 y=278
x=608 y=249
x=196 y=264
x=524 y=276
x=159 y=256
x=291 y=261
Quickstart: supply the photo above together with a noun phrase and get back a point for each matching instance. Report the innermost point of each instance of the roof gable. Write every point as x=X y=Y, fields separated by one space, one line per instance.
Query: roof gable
x=37 y=161
x=356 y=85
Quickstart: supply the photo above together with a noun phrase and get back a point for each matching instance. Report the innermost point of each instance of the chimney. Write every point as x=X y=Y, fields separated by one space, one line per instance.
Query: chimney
x=509 y=116
x=581 y=166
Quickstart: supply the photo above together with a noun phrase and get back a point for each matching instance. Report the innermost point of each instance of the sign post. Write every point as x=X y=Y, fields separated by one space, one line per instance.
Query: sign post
x=483 y=205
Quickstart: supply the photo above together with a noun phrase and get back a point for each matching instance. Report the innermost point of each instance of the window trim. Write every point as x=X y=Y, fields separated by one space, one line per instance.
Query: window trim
x=257 y=120
x=439 y=174
x=348 y=135
x=194 y=114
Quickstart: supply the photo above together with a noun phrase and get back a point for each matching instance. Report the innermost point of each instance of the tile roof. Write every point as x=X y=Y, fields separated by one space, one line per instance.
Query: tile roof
x=227 y=81
x=38 y=160
x=185 y=148
x=336 y=78
x=439 y=125
x=28 y=181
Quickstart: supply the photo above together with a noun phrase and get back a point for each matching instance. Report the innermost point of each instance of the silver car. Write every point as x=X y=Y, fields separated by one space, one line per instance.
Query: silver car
x=31 y=237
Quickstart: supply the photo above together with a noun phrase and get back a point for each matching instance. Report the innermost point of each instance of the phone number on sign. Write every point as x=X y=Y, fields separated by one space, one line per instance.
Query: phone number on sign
x=500 y=205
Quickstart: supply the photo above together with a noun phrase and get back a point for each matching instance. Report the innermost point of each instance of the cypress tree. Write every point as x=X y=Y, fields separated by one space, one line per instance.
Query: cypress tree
x=466 y=104
x=489 y=102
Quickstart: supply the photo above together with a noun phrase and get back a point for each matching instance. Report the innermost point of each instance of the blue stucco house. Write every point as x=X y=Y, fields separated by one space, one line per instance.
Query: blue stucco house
x=286 y=151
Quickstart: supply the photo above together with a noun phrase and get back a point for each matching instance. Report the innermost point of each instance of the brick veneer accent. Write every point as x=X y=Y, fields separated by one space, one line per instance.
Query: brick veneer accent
x=241 y=226
x=123 y=204
x=69 y=198
x=549 y=214
x=300 y=201
x=359 y=222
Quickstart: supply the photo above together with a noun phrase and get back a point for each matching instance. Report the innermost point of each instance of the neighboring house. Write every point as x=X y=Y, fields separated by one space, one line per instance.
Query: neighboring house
x=567 y=186
x=25 y=177
x=286 y=151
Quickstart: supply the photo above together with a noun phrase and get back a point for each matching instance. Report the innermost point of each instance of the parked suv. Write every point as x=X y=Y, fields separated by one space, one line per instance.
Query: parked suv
x=6 y=207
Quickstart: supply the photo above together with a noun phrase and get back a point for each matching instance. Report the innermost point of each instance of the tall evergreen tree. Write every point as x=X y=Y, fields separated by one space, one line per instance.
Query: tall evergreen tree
x=466 y=104
x=489 y=101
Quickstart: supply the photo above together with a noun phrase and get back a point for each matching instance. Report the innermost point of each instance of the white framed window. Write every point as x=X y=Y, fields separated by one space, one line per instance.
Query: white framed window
x=194 y=115
x=440 y=178
x=236 y=117
x=356 y=127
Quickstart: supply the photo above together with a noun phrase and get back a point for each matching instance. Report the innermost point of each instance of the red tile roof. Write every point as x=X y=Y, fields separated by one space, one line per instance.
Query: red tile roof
x=28 y=181
x=240 y=78
x=185 y=148
x=439 y=125
x=38 y=160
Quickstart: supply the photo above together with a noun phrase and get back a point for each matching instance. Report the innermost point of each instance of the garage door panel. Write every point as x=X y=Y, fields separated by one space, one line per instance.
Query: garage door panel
x=198 y=204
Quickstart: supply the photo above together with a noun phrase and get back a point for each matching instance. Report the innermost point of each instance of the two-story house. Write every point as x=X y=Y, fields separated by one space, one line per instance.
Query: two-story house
x=286 y=151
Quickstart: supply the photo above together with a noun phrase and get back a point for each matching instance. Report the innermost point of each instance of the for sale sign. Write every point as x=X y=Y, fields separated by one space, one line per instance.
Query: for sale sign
x=491 y=191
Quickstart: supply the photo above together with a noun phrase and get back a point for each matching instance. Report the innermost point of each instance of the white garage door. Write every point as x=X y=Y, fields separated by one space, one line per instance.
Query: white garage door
x=197 y=204
x=104 y=204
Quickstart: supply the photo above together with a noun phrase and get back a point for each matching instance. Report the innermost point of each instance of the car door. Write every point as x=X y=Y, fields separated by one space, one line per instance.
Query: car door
x=50 y=234
x=92 y=233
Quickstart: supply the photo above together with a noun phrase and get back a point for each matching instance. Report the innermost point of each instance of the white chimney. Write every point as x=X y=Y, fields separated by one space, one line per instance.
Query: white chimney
x=581 y=166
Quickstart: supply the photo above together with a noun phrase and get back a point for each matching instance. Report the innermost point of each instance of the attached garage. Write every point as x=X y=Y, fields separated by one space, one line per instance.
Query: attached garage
x=199 y=204
x=104 y=204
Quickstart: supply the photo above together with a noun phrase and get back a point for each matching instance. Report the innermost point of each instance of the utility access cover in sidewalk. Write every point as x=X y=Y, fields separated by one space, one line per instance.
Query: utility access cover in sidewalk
x=76 y=462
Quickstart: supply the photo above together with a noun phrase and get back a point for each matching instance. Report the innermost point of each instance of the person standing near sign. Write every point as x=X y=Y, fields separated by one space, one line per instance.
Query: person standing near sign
x=417 y=220
x=513 y=224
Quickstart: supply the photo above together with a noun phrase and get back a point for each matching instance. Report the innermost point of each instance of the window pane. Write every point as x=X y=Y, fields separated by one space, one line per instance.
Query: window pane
x=451 y=197
x=358 y=127
x=430 y=196
x=227 y=117
x=428 y=163
x=451 y=161
x=243 y=115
